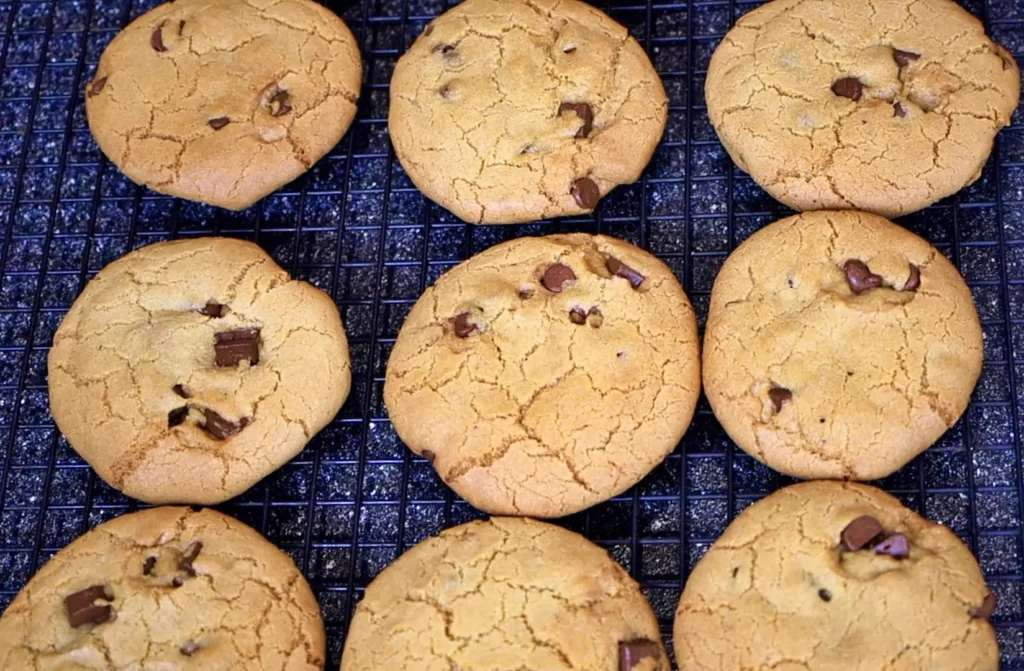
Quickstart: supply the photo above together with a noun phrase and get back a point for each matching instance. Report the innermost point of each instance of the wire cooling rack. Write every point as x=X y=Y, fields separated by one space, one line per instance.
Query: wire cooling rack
x=356 y=227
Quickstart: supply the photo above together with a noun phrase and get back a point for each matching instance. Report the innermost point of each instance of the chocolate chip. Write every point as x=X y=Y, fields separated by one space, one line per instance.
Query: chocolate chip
x=185 y=563
x=177 y=416
x=859 y=276
x=569 y=50
x=221 y=428
x=233 y=347
x=177 y=582
x=897 y=546
x=463 y=327
x=585 y=193
x=620 y=269
x=556 y=277
x=584 y=112
x=147 y=567
x=1007 y=63
x=156 y=40
x=779 y=396
x=848 y=87
x=987 y=607
x=594 y=317
x=631 y=653
x=899 y=110
x=526 y=292
x=219 y=122
x=448 y=52
x=825 y=595
x=429 y=455
x=279 y=103
x=96 y=86
x=914 y=281
x=860 y=532
x=446 y=92
x=190 y=648
x=904 y=58
x=212 y=309
x=82 y=609
x=578 y=316
x=180 y=390
x=181 y=26
x=429 y=29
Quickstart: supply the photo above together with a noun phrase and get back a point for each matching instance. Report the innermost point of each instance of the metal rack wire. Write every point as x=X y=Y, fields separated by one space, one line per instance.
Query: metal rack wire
x=356 y=227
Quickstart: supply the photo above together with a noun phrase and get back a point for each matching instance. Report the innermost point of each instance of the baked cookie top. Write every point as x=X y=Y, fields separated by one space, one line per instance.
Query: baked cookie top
x=839 y=345
x=545 y=375
x=224 y=101
x=507 y=593
x=516 y=110
x=187 y=371
x=165 y=588
x=829 y=576
x=878 y=105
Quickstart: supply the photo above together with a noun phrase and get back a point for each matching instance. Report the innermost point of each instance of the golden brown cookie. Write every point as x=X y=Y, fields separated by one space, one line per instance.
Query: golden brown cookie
x=878 y=105
x=187 y=371
x=829 y=576
x=224 y=101
x=507 y=593
x=545 y=375
x=515 y=110
x=839 y=345
x=165 y=588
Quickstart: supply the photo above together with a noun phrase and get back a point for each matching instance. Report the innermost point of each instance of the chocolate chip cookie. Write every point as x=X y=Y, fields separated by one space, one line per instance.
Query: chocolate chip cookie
x=515 y=110
x=878 y=105
x=507 y=593
x=545 y=375
x=187 y=371
x=839 y=345
x=224 y=102
x=829 y=576
x=165 y=588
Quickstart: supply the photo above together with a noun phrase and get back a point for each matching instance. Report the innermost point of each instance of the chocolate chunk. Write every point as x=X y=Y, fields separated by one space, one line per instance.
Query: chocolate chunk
x=556 y=277
x=584 y=112
x=897 y=546
x=899 y=110
x=222 y=428
x=185 y=563
x=212 y=309
x=429 y=455
x=585 y=193
x=233 y=347
x=156 y=40
x=848 y=87
x=219 y=122
x=859 y=276
x=279 y=103
x=620 y=269
x=578 y=316
x=463 y=327
x=190 y=648
x=96 y=86
x=861 y=532
x=904 y=58
x=987 y=607
x=914 y=281
x=779 y=396
x=177 y=416
x=631 y=653
x=825 y=595
x=82 y=609
x=147 y=567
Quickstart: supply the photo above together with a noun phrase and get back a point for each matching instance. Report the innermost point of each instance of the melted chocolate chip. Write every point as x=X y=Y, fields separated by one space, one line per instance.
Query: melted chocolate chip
x=180 y=390
x=899 y=110
x=620 y=269
x=987 y=607
x=82 y=609
x=185 y=563
x=904 y=58
x=578 y=316
x=860 y=532
x=177 y=416
x=585 y=192
x=463 y=327
x=631 y=653
x=848 y=87
x=212 y=309
x=859 y=276
x=147 y=567
x=896 y=545
x=914 y=280
x=220 y=427
x=557 y=277
x=96 y=86
x=586 y=114
x=219 y=122
x=189 y=648
x=779 y=396
x=233 y=347
x=156 y=40
x=825 y=595
x=279 y=103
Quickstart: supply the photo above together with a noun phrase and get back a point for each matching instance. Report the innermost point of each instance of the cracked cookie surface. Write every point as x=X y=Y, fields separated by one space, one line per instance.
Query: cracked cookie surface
x=780 y=590
x=143 y=390
x=839 y=345
x=503 y=595
x=878 y=105
x=166 y=588
x=515 y=110
x=224 y=101
x=545 y=375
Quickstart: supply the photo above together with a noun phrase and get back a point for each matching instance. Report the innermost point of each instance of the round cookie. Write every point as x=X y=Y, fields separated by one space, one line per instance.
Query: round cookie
x=165 y=588
x=224 y=101
x=878 y=105
x=502 y=595
x=830 y=576
x=187 y=371
x=839 y=345
x=508 y=111
x=546 y=375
